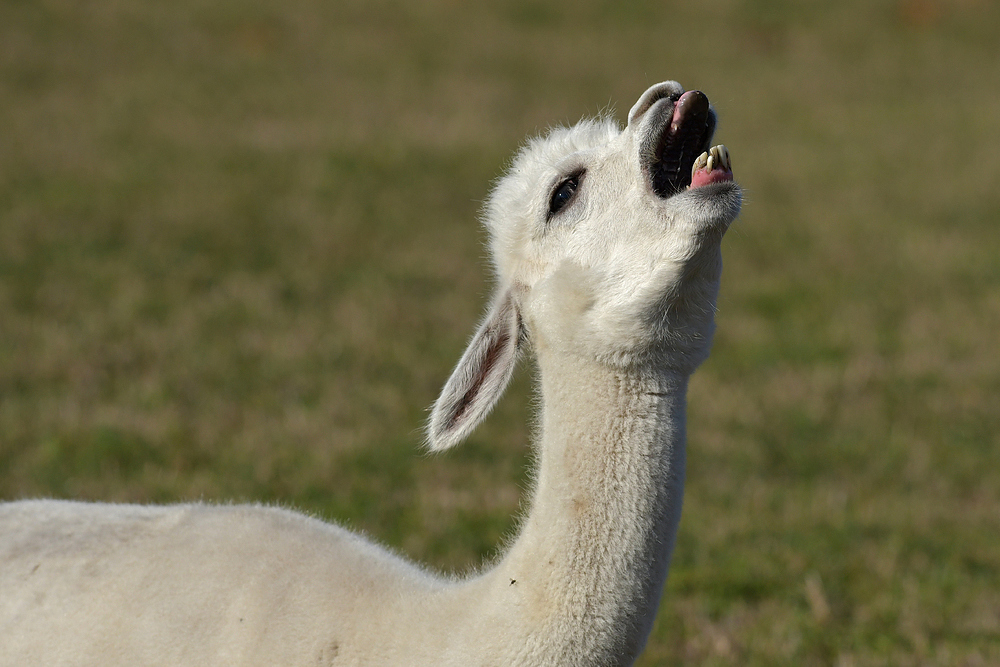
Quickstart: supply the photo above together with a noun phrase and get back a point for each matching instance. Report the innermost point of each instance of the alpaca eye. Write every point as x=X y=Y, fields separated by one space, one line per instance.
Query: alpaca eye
x=564 y=193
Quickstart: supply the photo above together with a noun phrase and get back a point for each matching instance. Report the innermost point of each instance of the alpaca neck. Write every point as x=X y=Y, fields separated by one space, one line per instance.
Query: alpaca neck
x=587 y=570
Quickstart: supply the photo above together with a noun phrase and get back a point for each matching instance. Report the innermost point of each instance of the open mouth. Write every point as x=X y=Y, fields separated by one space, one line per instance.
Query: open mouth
x=682 y=158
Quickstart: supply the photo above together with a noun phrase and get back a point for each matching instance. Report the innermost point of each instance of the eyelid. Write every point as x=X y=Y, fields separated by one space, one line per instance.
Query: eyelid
x=576 y=175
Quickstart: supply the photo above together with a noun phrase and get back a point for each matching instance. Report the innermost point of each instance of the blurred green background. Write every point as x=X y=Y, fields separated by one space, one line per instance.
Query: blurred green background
x=239 y=256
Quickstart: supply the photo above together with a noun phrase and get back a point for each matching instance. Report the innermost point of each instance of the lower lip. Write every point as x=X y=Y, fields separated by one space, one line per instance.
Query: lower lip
x=703 y=177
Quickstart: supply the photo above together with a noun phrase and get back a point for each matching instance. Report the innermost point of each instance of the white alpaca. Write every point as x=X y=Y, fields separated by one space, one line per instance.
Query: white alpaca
x=607 y=249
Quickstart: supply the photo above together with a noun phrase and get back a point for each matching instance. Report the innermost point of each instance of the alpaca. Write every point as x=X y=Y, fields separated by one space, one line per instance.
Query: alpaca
x=606 y=244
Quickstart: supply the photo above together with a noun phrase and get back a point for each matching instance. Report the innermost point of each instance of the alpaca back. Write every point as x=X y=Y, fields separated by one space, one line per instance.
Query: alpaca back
x=294 y=590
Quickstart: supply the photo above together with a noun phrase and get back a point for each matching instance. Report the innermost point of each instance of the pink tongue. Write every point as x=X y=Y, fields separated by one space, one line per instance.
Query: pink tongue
x=690 y=103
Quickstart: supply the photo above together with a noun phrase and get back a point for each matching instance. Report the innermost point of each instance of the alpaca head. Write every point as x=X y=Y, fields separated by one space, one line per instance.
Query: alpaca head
x=606 y=243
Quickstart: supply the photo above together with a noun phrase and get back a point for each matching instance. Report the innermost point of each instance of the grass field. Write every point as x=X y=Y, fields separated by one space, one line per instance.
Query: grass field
x=239 y=256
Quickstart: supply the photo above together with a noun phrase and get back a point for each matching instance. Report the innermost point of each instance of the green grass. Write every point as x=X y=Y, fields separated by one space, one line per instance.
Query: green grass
x=239 y=256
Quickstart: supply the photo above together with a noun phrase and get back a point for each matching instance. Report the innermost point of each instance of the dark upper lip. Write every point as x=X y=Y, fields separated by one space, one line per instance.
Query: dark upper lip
x=683 y=131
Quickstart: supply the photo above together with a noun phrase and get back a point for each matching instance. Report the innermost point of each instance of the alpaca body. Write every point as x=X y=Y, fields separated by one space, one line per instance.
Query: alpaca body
x=608 y=262
x=192 y=585
x=214 y=574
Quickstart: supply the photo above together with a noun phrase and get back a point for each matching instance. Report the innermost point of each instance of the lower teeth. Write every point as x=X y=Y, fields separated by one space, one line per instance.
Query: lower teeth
x=718 y=156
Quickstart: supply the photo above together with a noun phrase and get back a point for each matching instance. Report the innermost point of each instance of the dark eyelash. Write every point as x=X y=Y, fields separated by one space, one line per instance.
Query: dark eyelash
x=564 y=192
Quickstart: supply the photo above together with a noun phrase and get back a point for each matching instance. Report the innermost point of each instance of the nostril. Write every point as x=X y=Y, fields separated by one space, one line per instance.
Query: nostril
x=667 y=90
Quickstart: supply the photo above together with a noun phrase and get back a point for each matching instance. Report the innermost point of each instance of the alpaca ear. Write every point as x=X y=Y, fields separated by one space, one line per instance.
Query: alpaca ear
x=480 y=378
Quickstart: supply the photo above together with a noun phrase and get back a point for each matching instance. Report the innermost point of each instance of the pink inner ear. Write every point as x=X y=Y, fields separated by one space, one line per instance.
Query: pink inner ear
x=489 y=364
x=480 y=377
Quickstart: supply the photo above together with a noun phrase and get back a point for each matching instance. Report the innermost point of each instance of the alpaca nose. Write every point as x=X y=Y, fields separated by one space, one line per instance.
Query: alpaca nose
x=668 y=89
